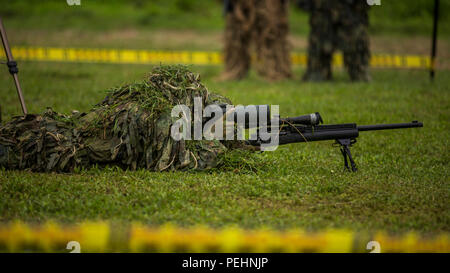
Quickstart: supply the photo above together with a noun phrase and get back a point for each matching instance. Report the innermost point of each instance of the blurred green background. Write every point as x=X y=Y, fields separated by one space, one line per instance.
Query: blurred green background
x=398 y=17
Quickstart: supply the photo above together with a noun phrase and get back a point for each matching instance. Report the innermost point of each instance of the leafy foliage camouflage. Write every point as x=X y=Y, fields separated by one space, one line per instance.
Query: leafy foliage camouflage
x=129 y=128
x=262 y=24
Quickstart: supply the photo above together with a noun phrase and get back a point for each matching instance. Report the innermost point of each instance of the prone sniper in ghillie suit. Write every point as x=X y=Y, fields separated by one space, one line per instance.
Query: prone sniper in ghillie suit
x=130 y=128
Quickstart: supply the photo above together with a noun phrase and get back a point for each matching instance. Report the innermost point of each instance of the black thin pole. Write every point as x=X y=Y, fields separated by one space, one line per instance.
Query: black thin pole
x=12 y=65
x=434 y=45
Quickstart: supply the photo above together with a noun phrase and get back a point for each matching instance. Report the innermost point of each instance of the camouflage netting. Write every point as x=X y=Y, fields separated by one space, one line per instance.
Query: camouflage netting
x=130 y=128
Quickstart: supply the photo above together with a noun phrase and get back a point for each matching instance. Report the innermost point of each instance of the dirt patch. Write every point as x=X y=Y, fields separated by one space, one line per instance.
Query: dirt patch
x=126 y=38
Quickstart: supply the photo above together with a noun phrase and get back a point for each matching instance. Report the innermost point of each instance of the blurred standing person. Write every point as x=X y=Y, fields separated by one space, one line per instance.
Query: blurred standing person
x=271 y=37
x=262 y=24
x=240 y=18
x=337 y=25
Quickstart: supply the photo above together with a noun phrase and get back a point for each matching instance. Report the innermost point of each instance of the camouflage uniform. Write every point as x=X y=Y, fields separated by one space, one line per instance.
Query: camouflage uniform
x=337 y=25
x=239 y=17
x=271 y=38
x=262 y=24
x=130 y=129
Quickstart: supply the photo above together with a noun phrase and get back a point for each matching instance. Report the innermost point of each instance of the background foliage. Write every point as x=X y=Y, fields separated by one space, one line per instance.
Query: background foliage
x=398 y=17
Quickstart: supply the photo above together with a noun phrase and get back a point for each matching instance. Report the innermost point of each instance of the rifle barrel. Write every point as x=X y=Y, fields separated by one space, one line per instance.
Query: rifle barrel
x=376 y=127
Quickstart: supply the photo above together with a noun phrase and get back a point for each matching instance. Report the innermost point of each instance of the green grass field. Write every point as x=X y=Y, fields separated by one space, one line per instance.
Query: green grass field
x=402 y=183
x=403 y=178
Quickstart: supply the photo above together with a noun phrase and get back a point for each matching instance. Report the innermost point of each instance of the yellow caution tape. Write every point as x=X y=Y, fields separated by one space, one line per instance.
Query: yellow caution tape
x=131 y=56
x=135 y=237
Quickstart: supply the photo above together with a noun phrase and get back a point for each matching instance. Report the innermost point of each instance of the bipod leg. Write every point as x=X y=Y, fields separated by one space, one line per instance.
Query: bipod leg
x=345 y=150
x=344 y=154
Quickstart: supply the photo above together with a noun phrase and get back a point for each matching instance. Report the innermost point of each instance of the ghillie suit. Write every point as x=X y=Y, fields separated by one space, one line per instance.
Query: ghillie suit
x=337 y=25
x=271 y=37
x=240 y=18
x=262 y=24
x=130 y=128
